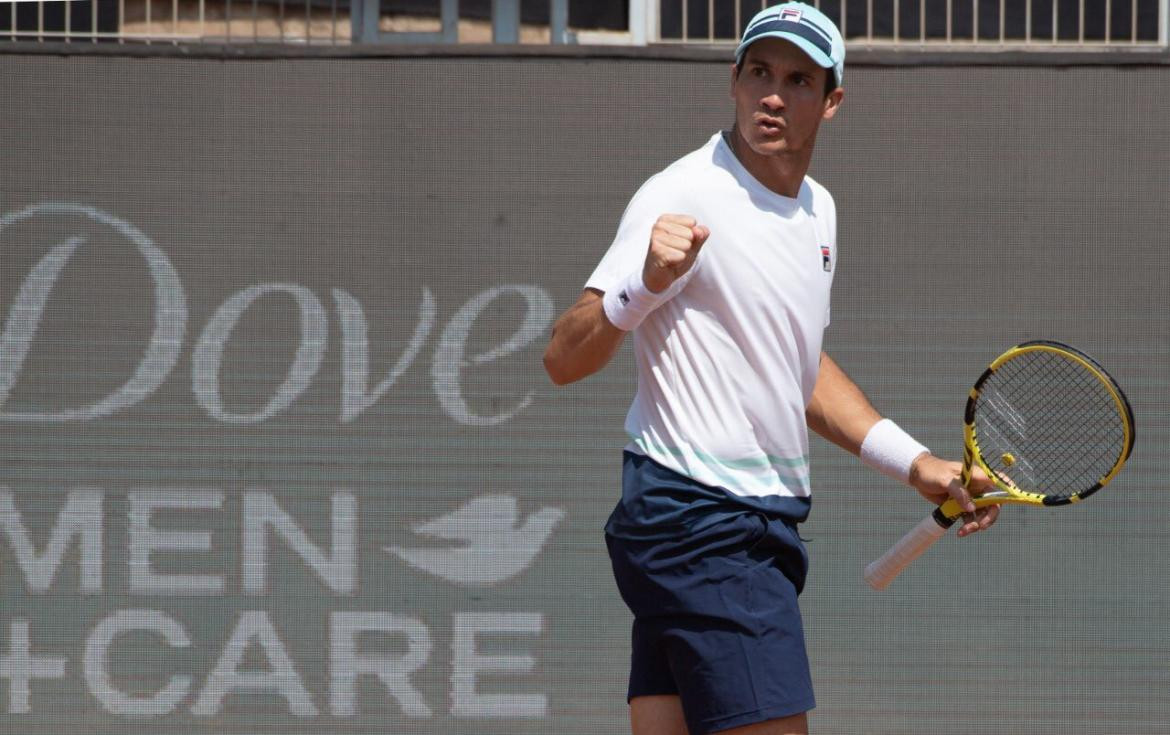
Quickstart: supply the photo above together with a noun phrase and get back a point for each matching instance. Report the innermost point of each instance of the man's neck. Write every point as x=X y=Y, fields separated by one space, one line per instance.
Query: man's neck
x=782 y=173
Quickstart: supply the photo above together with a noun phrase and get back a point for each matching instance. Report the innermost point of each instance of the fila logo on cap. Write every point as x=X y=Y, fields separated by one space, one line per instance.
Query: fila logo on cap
x=791 y=14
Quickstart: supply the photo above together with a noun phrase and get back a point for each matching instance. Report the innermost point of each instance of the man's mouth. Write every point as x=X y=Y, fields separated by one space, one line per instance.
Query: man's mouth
x=770 y=125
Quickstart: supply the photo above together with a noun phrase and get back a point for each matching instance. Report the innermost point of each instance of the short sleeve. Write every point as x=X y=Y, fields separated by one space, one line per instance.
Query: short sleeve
x=627 y=253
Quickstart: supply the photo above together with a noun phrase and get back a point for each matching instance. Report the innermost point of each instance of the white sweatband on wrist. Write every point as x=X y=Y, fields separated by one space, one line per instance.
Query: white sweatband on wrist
x=628 y=304
x=891 y=451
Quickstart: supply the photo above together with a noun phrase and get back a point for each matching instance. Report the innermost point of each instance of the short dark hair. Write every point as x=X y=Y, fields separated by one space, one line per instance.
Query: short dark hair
x=830 y=76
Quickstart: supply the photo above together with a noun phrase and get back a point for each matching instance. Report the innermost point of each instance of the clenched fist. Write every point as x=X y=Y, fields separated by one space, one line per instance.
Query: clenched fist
x=675 y=242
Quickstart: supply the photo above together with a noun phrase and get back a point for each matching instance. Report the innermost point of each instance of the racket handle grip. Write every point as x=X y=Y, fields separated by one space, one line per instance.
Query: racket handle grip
x=884 y=570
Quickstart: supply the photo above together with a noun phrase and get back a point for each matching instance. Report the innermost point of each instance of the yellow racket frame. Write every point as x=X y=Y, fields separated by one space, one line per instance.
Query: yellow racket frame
x=1008 y=492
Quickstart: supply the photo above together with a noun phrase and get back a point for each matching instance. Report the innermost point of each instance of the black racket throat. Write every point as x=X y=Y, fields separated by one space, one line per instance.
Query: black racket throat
x=1051 y=501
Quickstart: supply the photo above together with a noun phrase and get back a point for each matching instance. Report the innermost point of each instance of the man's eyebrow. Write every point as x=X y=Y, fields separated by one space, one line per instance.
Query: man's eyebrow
x=807 y=66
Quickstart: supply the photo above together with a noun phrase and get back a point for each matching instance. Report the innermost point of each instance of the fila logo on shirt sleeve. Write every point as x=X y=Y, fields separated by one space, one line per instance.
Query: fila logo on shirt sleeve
x=826 y=258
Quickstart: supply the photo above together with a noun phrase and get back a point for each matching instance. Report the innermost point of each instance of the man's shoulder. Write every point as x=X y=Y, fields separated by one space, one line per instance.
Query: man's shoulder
x=819 y=196
x=696 y=171
x=702 y=157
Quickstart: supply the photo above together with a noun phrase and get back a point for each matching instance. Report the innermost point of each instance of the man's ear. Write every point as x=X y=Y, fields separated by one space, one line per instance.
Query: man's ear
x=833 y=103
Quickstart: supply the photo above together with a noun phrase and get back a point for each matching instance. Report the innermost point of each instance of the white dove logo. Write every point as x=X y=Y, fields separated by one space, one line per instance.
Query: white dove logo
x=496 y=546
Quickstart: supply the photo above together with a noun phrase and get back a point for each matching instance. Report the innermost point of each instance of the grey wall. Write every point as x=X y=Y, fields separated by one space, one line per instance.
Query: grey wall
x=276 y=326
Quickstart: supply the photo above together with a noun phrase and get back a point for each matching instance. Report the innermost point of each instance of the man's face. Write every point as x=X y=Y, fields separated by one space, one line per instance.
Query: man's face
x=780 y=98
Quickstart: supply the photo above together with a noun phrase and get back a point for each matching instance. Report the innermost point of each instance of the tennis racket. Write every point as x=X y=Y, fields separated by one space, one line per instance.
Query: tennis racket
x=1047 y=424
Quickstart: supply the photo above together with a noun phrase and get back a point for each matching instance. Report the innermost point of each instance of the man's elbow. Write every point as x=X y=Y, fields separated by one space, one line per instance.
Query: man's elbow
x=557 y=370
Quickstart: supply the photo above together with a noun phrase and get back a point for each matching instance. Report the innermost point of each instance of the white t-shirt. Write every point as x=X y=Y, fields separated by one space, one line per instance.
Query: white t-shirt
x=726 y=366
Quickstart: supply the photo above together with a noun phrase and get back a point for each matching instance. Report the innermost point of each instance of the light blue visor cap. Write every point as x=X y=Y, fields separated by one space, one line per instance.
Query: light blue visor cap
x=808 y=28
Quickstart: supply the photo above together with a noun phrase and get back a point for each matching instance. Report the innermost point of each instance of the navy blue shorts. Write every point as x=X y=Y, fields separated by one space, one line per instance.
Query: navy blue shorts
x=716 y=620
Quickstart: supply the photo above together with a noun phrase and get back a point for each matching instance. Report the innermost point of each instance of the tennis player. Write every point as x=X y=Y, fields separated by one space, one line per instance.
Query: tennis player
x=722 y=267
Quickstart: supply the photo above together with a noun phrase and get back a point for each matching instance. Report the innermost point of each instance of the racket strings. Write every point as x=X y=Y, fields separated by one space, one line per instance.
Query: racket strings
x=1048 y=424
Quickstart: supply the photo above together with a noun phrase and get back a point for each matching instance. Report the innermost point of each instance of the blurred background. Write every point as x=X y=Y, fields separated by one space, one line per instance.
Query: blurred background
x=883 y=23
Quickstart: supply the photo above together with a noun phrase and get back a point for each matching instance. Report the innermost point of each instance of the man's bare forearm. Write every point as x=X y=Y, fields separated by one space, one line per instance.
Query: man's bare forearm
x=839 y=410
x=583 y=341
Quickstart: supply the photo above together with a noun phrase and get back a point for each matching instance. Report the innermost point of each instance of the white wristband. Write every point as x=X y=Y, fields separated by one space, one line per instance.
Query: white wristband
x=890 y=450
x=628 y=304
